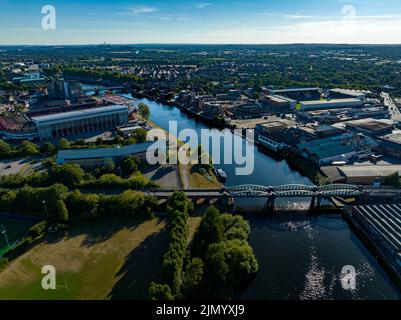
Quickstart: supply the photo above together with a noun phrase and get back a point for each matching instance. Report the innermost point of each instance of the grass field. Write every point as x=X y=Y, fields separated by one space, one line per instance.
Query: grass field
x=16 y=229
x=109 y=260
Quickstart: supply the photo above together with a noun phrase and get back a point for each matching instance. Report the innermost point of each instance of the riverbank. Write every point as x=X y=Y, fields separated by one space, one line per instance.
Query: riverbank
x=190 y=175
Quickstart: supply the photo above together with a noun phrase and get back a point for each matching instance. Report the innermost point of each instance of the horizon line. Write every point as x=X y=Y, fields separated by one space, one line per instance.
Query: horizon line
x=204 y=44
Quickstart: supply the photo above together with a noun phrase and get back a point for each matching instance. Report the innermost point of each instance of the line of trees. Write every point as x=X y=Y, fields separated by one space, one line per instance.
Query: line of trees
x=72 y=176
x=57 y=204
x=178 y=208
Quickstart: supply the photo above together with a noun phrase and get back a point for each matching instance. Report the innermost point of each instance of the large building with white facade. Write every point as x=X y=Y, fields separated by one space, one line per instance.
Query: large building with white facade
x=77 y=122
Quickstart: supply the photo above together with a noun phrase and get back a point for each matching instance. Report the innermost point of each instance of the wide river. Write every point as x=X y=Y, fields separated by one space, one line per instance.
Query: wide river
x=300 y=257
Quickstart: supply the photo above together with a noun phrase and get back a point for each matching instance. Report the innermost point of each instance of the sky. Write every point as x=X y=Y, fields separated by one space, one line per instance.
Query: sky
x=204 y=21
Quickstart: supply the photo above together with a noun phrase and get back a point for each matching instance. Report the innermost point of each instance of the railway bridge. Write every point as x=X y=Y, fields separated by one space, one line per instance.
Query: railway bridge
x=317 y=194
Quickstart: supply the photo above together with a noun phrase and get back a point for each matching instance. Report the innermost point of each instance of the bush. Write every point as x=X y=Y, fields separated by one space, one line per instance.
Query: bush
x=62 y=211
x=38 y=229
x=69 y=175
x=160 y=292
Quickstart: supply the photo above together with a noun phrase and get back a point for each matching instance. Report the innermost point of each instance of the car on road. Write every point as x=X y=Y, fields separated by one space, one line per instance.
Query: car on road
x=8 y=167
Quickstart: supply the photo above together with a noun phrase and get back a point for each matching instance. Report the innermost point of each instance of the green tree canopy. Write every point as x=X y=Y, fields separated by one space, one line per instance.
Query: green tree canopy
x=144 y=110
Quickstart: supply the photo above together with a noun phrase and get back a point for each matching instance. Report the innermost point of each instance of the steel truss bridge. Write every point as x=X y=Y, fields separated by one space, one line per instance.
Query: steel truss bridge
x=271 y=193
x=295 y=191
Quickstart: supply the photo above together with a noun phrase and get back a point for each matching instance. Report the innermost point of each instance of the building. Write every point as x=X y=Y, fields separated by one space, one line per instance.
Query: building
x=371 y=127
x=278 y=102
x=60 y=89
x=330 y=104
x=17 y=127
x=31 y=76
x=246 y=110
x=328 y=150
x=89 y=158
x=391 y=144
x=347 y=93
x=72 y=123
x=298 y=94
x=381 y=224
x=360 y=174
x=276 y=135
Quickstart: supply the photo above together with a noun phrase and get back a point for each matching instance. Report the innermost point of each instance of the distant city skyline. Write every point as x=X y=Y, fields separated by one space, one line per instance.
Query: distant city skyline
x=203 y=22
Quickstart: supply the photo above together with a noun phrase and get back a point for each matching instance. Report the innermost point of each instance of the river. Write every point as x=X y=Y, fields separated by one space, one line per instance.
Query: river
x=300 y=257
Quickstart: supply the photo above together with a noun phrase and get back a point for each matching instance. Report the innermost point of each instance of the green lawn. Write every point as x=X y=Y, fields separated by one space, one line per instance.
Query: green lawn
x=109 y=260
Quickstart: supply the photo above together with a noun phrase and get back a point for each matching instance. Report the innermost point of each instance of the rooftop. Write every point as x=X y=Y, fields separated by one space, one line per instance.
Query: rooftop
x=77 y=154
x=369 y=170
x=333 y=101
x=385 y=220
x=326 y=148
x=373 y=125
x=77 y=114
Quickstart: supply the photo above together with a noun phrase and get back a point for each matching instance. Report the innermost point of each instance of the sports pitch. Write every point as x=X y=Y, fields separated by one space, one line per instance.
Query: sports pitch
x=15 y=230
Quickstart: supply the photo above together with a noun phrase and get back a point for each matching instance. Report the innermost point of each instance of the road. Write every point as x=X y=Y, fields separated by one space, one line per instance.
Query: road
x=392 y=107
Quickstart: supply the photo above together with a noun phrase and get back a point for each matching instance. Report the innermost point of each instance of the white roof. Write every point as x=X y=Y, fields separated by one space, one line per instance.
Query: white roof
x=62 y=117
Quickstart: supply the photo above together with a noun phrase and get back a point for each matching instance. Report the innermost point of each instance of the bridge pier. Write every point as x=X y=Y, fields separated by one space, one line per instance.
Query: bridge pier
x=270 y=205
x=315 y=203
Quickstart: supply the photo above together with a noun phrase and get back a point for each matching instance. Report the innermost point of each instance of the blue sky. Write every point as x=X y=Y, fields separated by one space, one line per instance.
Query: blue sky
x=209 y=21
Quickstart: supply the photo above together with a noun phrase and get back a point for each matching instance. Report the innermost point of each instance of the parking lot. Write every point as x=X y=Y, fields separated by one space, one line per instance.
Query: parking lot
x=23 y=166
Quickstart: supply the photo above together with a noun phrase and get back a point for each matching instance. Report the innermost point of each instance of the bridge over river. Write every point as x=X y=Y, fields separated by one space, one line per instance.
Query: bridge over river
x=317 y=194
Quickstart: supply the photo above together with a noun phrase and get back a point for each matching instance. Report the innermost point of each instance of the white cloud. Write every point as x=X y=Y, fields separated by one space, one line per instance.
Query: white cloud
x=138 y=10
x=363 y=30
x=203 y=5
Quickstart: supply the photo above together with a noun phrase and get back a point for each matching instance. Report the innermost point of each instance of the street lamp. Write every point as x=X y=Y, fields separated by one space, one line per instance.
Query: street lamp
x=44 y=204
x=5 y=236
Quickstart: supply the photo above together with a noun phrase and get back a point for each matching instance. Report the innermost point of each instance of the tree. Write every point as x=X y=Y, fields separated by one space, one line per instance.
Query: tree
x=5 y=148
x=393 y=180
x=28 y=149
x=48 y=149
x=129 y=166
x=160 y=292
x=231 y=262
x=118 y=139
x=144 y=110
x=193 y=274
x=69 y=175
x=210 y=231
x=62 y=211
x=64 y=144
x=140 y=135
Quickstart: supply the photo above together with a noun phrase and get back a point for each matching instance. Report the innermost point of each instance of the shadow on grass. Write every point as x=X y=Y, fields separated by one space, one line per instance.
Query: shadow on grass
x=96 y=232
x=162 y=172
x=142 y=266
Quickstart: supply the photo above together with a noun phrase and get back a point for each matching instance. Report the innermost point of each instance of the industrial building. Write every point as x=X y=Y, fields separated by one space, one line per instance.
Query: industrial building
x=89 y=158
x=337 y=148
x=77 y=122
x=381 y=224
x=371 y=127
x=368 y=174
x=330 y=104
x=391 y=144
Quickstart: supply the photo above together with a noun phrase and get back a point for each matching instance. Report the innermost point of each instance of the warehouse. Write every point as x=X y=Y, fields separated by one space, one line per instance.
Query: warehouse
x=381 y=224
x=369 y=174
x=73 y=123
x=330 y=104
